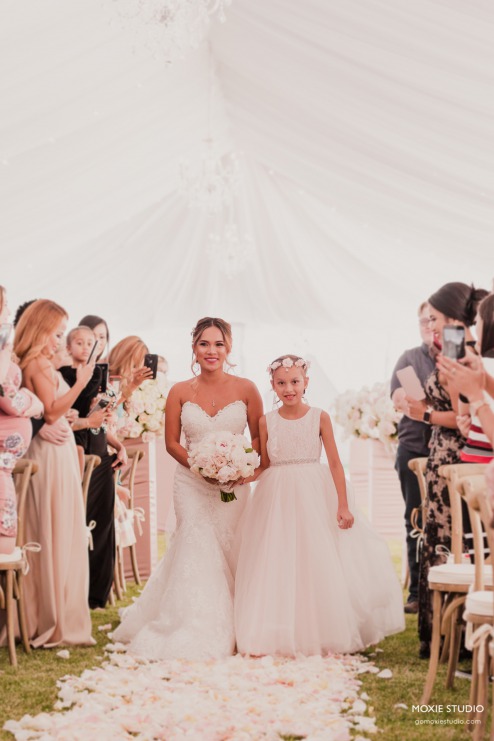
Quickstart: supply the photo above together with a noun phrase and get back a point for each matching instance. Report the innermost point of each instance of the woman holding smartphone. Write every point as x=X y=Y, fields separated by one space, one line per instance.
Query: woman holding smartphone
x=453 y=304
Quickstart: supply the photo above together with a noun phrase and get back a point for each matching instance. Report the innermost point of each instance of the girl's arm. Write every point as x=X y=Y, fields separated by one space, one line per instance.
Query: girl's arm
x=344 y=516
x=263 y=449
x=173 y=426
x=254 y=414
x=40 y=377
x=122 y=458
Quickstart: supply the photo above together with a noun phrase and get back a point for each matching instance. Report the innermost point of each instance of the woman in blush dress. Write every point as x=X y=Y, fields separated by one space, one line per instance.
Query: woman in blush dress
x=186 y=608
x=57 y=584
x=17 y=405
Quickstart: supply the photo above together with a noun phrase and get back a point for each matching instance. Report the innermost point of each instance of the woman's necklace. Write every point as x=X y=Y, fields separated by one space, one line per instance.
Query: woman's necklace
x=213 y=403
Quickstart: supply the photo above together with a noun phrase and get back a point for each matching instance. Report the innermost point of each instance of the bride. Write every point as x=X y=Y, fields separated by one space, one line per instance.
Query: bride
x=186 y=608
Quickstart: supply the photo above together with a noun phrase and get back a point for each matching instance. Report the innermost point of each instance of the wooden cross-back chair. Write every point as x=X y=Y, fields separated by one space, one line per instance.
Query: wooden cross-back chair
x=479 y=604
x=449 y=584
x=14 y=566
x=135 y=455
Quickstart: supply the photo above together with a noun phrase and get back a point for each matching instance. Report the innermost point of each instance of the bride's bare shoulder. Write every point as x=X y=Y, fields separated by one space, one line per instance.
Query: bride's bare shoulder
x=182 y=389
x=245 y=386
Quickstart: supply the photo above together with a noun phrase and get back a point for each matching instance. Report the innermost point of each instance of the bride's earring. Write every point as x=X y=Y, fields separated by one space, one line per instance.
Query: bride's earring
x=195 y=366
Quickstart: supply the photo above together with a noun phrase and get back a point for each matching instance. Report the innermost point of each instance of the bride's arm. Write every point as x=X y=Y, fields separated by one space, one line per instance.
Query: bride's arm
x=173 y=427
x=254 y=414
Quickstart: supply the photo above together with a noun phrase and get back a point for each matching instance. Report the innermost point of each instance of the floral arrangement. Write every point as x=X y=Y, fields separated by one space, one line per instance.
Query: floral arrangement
x=225 y=457
x=368 y=413
x=144 y=414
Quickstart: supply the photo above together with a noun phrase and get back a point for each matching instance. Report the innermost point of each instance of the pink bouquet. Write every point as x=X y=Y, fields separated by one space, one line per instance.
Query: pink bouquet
x=225 y=457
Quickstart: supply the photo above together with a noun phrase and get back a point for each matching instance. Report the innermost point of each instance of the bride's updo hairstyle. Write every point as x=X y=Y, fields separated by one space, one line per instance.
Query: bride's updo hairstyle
x=205 y=323
x=458 y=301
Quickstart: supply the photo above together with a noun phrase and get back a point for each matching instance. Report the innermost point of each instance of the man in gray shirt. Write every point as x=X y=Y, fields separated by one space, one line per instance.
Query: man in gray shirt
x=413 y=442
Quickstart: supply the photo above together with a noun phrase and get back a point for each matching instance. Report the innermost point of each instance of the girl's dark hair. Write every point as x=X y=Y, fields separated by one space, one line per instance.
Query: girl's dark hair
x=458 y=301
x=205 y=323
x=486 y=313
x=92 y=321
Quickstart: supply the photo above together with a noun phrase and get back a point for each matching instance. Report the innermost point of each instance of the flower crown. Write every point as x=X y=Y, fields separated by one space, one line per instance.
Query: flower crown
x=288 y=363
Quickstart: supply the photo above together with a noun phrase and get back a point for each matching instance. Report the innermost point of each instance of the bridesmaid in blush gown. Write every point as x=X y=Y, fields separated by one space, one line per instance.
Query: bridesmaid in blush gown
x=186 y=608
x=57 y=585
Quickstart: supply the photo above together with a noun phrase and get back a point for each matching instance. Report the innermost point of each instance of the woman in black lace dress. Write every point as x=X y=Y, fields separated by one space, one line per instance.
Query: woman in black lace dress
x=454 y=303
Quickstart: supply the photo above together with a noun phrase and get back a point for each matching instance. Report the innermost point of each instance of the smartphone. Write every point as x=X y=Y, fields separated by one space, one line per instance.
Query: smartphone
x=453 y=341
x=104 y=376
x=5 y=330
x=151 y=361
x=101 y=404
x=92 y=352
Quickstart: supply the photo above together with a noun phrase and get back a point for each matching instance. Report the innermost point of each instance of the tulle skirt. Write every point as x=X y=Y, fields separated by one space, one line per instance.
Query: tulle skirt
x=303 y=586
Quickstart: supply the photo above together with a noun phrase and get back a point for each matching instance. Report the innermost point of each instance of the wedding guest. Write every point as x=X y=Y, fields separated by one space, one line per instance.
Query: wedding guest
x=126 y=361
x=453 y=303
x=473 y=377
x=413 y=442
x=57 y=585
x=17 y=405
x=91 y=434
x=101 y=334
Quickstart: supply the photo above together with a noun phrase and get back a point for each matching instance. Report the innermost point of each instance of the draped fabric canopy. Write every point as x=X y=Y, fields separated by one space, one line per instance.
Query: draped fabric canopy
x=365 y=137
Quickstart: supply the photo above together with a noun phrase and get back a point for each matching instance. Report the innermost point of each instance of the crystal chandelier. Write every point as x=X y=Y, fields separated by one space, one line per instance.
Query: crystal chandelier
x=210 y=182
x=170 y=28
x=229 y=250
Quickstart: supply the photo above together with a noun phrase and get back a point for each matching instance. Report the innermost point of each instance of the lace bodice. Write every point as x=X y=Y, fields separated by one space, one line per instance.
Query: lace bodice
x=294 y=440
x=196 y=422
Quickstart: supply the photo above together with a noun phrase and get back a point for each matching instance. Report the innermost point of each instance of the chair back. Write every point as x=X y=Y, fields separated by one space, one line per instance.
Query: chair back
x=134 y=456
x=90 y=463
x=23 y=470
x=473 y=489
x=418 y=465
x=453 y=473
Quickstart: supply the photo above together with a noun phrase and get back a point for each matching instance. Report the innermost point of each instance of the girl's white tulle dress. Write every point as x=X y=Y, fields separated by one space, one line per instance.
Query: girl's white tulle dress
x=186 y=608
x=303 y=586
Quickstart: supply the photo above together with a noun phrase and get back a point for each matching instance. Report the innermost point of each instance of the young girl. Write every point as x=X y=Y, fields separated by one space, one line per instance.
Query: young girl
x=310 y=578
x=92 y=436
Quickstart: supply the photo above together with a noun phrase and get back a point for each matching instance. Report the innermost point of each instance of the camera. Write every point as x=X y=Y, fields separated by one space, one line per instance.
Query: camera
x=151 y=361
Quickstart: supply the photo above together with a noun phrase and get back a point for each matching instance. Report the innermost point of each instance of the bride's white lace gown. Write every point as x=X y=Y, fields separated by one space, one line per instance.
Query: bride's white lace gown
x=186 y=608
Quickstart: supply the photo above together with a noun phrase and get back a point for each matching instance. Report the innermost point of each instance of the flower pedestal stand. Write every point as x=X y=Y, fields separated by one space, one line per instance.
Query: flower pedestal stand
x=145 y=497
x=376 y=487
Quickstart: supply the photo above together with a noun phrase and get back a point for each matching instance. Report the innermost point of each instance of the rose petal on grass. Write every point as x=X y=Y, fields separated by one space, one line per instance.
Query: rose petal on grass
x=385 y=674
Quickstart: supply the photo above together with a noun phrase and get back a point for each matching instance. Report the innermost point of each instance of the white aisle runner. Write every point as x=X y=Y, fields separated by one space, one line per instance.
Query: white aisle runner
x=235 y=699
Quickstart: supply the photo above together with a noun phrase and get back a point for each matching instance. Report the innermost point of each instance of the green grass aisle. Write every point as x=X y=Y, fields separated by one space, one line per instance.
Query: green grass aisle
x=32 y=687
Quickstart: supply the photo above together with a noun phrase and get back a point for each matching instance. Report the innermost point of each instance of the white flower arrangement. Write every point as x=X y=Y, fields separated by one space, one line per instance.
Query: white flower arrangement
x=225 y=457
x=368 y=413
x=144 y=414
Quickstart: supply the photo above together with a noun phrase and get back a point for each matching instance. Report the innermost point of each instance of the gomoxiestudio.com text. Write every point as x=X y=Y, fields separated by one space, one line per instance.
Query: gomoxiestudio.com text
x=427 y=713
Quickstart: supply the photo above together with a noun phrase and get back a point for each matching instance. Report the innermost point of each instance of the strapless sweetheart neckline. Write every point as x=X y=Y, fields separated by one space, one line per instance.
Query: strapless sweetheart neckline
x=213 y=416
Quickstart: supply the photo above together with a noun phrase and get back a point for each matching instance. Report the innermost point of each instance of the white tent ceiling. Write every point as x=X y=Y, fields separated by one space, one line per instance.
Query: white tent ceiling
x=365 y=129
